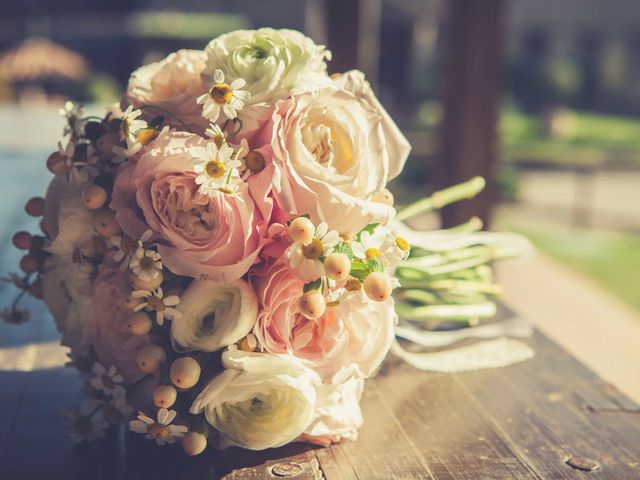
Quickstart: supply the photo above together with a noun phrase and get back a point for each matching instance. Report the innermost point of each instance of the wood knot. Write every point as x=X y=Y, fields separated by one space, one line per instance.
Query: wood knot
x=582 y=464
x=286 y=470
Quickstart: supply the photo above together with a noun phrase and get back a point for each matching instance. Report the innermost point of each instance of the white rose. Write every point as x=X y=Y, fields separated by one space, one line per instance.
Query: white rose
x=261 y=400
x=338 y=413
x=334 y=149
x=67 y=289
x=214 y=315
x=172 y=84
x=273 y=63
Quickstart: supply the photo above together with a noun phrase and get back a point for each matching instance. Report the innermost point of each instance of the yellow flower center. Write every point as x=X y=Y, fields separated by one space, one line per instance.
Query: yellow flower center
x=221 y=93
x=146 y=263
x=402 y=244
x=157 y=430
x=126 y=126
x=156 y=303
x=215 y=168
x=314 y=250
x=147 y=135
x=254 y=161
x=372 y=253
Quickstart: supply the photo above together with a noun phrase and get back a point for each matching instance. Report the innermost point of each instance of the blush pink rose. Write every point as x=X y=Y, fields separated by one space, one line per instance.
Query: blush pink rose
x=333 y=150
x=211 y=237
x=357 y=333
x=172 y=85
x=106 y=324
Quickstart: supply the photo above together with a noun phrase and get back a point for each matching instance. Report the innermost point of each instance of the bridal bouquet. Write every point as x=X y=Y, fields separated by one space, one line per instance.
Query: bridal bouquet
x=219 y=251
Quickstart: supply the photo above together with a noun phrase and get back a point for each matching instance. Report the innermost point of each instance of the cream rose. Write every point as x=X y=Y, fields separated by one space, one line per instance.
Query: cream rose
x=273 y=63
x=333 y=150
x=260 y=400
x=214 y=315
x=172 y=85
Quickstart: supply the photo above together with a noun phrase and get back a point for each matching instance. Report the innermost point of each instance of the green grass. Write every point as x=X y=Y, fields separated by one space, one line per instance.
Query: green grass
x=610 y=259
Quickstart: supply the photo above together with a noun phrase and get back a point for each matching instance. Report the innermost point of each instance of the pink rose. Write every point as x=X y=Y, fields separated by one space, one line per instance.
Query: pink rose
x=211 y=237
x=357 y=332
x=333 y=150
x=107 y=318
x=172 y=85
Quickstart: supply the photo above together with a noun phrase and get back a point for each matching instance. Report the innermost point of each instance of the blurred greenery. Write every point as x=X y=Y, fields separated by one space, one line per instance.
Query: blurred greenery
x=610 y=259
x=196 y=25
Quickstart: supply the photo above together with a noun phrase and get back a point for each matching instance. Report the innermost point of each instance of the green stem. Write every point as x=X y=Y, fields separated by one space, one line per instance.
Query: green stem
x=446 y=312
x=442 y=198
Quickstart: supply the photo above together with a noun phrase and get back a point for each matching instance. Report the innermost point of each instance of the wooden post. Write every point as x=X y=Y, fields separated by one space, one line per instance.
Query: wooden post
x=472 y=74
x=353 y=36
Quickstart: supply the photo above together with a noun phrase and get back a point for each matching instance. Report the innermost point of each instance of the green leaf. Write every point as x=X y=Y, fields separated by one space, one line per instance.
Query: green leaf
x=374 y=265
x=343 y=247
x=369 y=228
x=315 y=285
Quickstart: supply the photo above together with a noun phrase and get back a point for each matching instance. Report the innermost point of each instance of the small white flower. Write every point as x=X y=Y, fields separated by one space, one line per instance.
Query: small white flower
x=215 y=133
x=72 y=113
x=385 y=246
x=305 y=259
x=146 y=264
x=123 y=247
x=156 y=301
x=131 y=125
x=79 y=169
x=161 y=430
x=136 y=142
x=369 y=246
x=107 y=381
x=88 y=423
x=228 y=99
x=216 y=168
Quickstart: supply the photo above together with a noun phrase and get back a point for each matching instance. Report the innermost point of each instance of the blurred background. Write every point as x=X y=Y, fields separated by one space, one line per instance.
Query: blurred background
x=540 y=97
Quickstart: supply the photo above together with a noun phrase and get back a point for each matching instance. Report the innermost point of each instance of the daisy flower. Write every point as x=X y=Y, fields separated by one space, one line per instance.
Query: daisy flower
x=215 y=168
x=136 y=143
x=130 y=124
x=146 y=264
x=72 y=113
x=306 y=259
x=123 y=247
x=156 y=301
x=88 y=423
x=215 y=133
x=387 y=247
x=221 y=97
x=369 y=246
x=108 y=381
x=161 y=430
x=79 y=169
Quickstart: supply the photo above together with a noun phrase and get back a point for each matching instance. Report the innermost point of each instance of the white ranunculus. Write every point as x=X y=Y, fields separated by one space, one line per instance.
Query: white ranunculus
x=260 y=400
x=67 y=288
x=273 y=63
x=214 y=315
x=338 y=413
x=172 y=85
x=75 y=229
x=334 y=149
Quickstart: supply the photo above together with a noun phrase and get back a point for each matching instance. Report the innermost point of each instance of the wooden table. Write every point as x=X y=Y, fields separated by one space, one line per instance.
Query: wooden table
x=547 y=418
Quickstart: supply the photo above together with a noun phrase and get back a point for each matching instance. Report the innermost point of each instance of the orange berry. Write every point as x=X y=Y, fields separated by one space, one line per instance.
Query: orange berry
x=94 y=197
x=312 y=304
x=35 y=207
x=22 y=240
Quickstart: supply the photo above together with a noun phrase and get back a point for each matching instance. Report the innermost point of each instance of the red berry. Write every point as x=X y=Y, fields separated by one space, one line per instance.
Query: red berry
x=35 y=207
x=22 y=240
x=29 y=264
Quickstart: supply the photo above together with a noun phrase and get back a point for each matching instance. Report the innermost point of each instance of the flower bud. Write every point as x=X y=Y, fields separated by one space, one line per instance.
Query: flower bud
x=185 y=372
x=139 y=323
x=35 y=207
x=29 y=264
x=94 y=197
x=150 y=357
x=105 y=223
x=337 y=266
x=312 y=304
x=164 y=396
x=301 y=230
x=140 y=284
x=194 y=443
x=22 y=240
x=57 y=163
x=377 y=286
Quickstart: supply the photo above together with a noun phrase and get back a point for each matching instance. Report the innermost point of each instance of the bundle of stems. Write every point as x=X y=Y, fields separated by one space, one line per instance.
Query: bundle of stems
x=448 y=275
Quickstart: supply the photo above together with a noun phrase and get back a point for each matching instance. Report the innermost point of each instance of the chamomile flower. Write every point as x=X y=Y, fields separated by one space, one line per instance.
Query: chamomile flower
x=223 y=98
x=305 y=259
x=80 y=168
x=131 y=124
x=369 y=246
x=156 y=301
x=216 y=168
x=385 y=246
x=124 y=246
x=135 y=143
x=106 y=380
x=88 y=423
x=215 y=133
x=161 y=430
x=72 y=113
x=146 y=264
